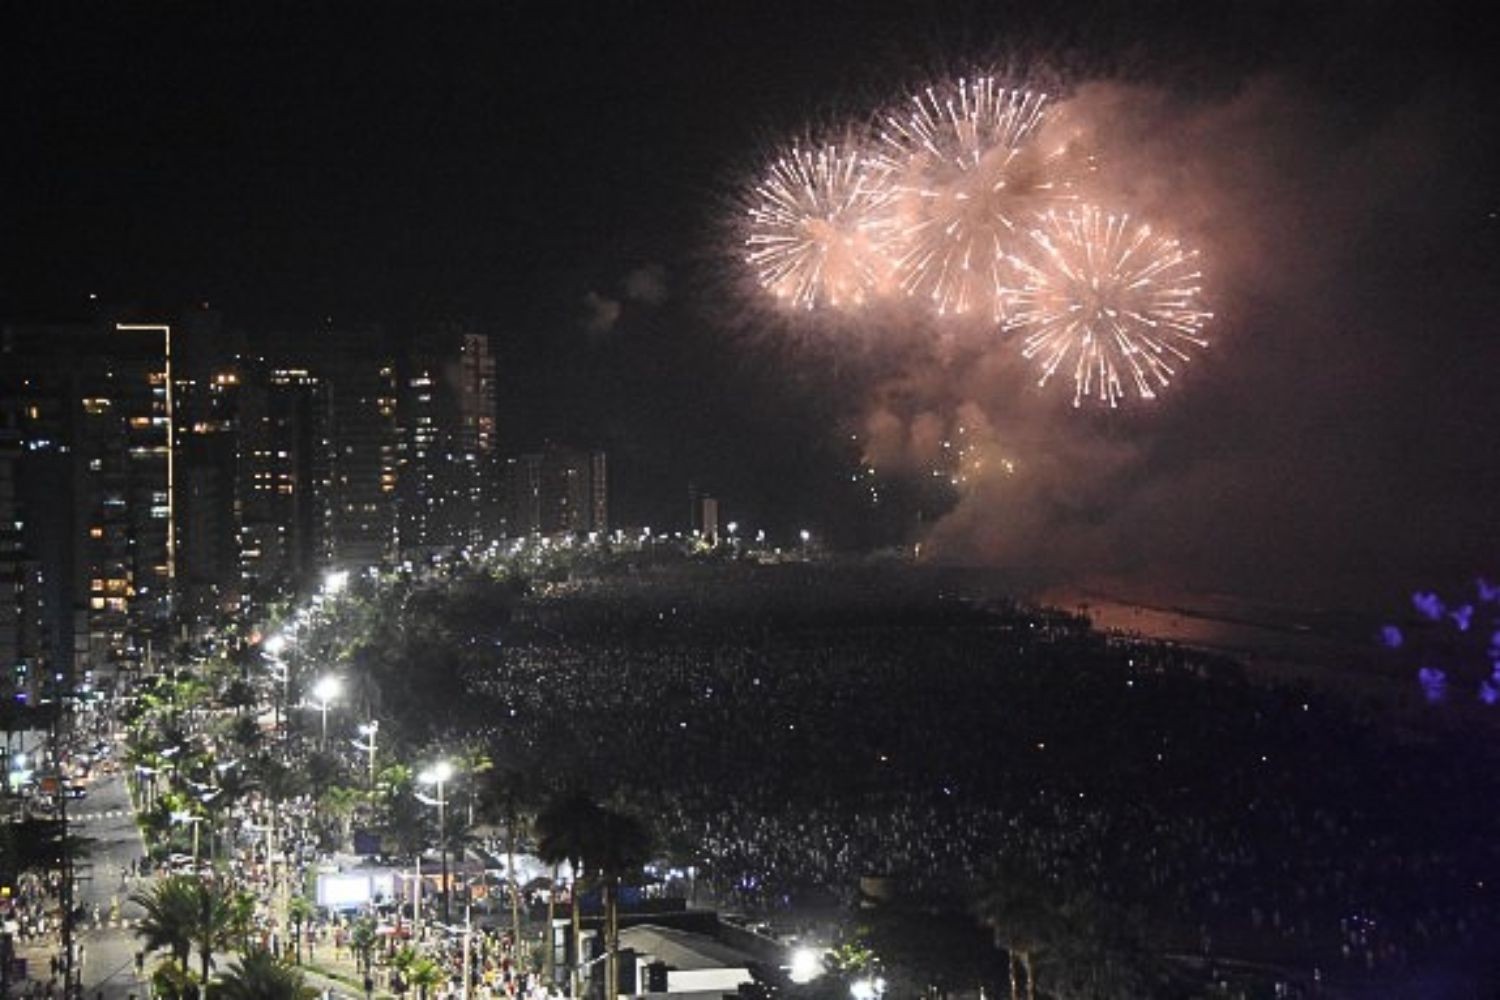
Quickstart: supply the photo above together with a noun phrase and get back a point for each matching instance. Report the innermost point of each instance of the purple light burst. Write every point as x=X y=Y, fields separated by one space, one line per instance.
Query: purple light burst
x=1429 y=605
x=1463 y=636
x=1434 y=685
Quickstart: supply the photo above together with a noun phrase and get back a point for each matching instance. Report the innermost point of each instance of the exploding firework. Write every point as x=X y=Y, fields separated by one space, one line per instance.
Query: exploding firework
x=1118 y=304
x=809 y=238
x=966 y=178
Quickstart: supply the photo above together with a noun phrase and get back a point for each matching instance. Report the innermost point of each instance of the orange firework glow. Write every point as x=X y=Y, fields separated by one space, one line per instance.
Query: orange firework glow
x=1119 y=304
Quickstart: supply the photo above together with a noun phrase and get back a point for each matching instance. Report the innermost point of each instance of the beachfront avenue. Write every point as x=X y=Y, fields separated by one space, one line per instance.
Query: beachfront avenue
x=551 y=772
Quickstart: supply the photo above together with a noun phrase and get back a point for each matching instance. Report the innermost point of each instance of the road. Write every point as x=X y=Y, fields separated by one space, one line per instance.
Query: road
x=104 y=818
x=104 y=886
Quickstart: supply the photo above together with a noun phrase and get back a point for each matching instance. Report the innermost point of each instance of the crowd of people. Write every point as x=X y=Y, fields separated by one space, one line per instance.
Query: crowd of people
x=33 y=907
x=794 y=728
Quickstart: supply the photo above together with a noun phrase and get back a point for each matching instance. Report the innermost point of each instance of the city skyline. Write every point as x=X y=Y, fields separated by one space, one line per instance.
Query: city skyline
x=761 y=499
x=573 y=197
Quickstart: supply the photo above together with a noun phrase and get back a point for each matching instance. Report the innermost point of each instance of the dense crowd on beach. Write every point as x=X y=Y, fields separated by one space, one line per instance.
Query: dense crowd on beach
x=795 y=728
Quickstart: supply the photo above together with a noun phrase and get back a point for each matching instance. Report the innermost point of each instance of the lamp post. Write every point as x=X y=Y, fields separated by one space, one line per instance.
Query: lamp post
x=275 y=865
x=146 y=786
x=195 y=820
x=271 y=650
x=416 y=906
x=439 y=774
x=323 y=694
x=368 y=730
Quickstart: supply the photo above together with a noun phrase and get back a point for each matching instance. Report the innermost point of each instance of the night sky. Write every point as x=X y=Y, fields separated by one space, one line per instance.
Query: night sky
x=562 y=174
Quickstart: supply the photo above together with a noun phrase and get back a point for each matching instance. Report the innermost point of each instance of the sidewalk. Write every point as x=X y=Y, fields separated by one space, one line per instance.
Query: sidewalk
x=340 y=974
x=38 y=956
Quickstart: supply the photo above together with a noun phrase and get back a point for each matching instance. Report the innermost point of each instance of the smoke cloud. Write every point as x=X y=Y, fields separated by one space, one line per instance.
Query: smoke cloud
x=647 y=284
x=600 y=312
x=1327 y=445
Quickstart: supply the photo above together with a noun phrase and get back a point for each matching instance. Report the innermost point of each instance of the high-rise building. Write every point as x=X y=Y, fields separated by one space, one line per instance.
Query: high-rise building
x=94 y=475
x=13 y=563
x=283 y=471
x=429 y=507
x=523 y=478
x=478 y=441
x=207 y=436
x=598 y=492
x=560 y=490
x=362 y=395
x=448 y=477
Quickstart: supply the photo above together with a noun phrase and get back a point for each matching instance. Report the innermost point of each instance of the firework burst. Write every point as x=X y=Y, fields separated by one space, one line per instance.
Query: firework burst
x=1105 y=296
x=809 y=230
x=965 y=178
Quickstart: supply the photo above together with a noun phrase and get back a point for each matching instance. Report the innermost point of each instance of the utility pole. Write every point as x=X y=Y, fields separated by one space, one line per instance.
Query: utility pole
x=463 y=991
x=67 y=853
x=416 y=909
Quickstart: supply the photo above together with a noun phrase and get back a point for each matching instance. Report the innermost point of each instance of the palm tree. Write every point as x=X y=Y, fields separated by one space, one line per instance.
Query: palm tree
x=1022 y=914
x=564 y=828
x=473 y=761
x=363 y=937
x=217 y=926
x=425 y=974
x=300 y=910
x=171 y=914
x=505 y=795
x=401 y=964
x=403 y=818
x=279 y=781
x=245 y=734
x=340 y=803
x=1102 y=950
x=260 y=976
x=620 y=845
x=182 y=913
x=242 y=909
x=239 y=694
x=170 y=981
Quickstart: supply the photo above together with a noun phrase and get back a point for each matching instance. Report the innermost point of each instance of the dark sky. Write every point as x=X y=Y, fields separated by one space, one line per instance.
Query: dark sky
x=560 y=173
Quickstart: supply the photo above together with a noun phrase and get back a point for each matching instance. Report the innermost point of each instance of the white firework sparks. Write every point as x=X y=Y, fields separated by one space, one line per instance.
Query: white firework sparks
x=1105 y=296
x=966 y=179
x=808 y=237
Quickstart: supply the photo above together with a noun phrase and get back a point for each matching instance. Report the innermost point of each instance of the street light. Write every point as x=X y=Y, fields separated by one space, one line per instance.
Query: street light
x=194 y=819
x=416 y=906
x=439 y=774
x=807 y=965
x=369 y=730
x=272 y=652
x=147 y=791
x=335 y=582
x=323 y=692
